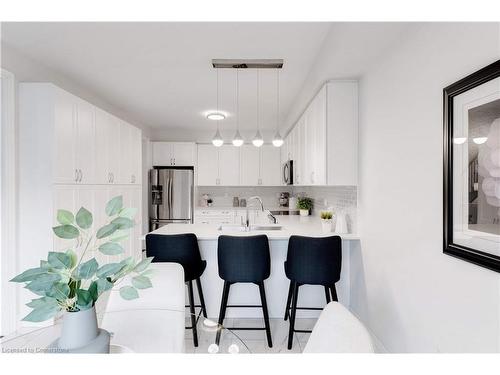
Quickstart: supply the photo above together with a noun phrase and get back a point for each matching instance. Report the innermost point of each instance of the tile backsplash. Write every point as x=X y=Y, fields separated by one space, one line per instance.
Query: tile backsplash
x=339 y=198
x=222 y=196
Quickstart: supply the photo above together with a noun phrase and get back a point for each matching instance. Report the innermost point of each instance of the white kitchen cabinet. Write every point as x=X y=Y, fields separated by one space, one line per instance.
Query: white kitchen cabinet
x=323 y=143
x=207 y=166
x=63 y=157
x=107 y=147
x=85 y=142
x=342 y=133
x=249 y=165
x=260 y=165
x=270 y=165
x=229 y=162
x=174 y=154
x=218 y=166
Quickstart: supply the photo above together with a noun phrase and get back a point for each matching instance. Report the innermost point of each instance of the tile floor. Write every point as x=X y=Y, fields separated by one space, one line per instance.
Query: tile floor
x=250 y=341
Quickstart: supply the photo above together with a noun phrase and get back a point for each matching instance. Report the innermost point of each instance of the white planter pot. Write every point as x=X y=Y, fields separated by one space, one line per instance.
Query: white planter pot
x=326 y=225
x=80 y=333
x=304 y=212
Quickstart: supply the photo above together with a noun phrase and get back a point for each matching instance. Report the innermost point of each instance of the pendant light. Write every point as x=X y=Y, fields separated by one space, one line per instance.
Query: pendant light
x=237 y=140
x=217 y=140
x=257 y=140
x=277 y=140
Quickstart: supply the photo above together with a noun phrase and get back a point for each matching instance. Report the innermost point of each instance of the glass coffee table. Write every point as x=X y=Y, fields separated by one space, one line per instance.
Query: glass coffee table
x=41 y=339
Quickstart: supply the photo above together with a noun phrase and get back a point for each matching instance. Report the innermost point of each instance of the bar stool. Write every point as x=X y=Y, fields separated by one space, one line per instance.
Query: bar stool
x=312 y=261
x=182 y=249
x=244 y=260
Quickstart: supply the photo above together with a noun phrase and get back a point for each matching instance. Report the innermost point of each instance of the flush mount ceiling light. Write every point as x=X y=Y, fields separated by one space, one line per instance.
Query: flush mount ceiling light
x=216 y=116
x=217 y=140
x=277 y=140
x=237 y=140
x=258 y=140
x=479 y=140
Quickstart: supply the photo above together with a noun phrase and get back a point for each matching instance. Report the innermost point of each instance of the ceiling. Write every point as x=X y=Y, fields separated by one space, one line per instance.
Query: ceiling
x=161 y=74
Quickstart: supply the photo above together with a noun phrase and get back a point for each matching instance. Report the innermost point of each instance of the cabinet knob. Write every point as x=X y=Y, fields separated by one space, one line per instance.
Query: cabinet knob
x=76 y=175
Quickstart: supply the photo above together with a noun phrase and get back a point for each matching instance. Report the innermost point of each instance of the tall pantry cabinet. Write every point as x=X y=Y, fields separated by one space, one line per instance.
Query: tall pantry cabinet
x=72 y=154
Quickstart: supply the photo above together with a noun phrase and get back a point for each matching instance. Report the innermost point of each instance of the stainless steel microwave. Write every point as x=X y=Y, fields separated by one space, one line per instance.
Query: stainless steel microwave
x=288 y=172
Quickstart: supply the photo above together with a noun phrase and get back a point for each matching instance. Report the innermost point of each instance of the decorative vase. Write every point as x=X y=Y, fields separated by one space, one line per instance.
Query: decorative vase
x=326 y=225
x=304 y=212
x=80 y=333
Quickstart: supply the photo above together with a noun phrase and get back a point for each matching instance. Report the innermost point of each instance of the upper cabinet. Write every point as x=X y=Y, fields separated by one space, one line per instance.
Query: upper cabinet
x=89 y=146
x=323 y=144
x=218 y=166
x=174 y=154
x=260 y=166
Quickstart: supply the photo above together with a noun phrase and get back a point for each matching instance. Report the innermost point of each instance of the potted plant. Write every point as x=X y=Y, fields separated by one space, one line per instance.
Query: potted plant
x=326 y=221
x=304 y=204
x=72 y=281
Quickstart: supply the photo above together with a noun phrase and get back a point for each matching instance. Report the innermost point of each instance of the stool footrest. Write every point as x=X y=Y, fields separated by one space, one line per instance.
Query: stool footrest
x=244 y=306
x=245 y=328
x=307 y=308
x=302 y=330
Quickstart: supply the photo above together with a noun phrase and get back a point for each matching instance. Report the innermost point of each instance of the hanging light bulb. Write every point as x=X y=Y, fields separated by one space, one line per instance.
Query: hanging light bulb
x=258 y=140
x=237 y=140
x=277 y=140
x=217 y=140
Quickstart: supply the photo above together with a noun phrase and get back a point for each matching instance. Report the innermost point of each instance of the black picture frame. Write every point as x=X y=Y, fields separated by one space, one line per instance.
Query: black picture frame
x=474 y=256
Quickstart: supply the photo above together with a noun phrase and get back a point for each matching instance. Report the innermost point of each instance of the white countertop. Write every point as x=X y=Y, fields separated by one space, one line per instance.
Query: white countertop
x=292 y=225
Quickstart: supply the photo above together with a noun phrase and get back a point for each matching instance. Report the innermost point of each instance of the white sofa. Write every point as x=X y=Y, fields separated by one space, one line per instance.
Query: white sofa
x=338 y=331
x=154 y=322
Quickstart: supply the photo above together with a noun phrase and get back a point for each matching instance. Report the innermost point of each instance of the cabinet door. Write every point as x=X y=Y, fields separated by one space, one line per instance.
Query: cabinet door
x=270 y=165
x=136 y=154
x=163 y=154
x=250 y=165
x=64 y=139
x=114 y=149
x=85 y=142
x=124 y=176
x=299 y=153
x=207 y=165
x=183 y=154
x=229 y=166
x=85 y=198
x=318 y=139
x=102 y=140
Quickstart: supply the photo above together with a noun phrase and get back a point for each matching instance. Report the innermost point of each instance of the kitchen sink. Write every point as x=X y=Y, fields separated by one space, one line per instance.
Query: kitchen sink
x=266 y=227
x=253 y=227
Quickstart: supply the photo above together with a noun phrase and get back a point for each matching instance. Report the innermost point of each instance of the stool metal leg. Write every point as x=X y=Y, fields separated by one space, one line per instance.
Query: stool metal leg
x=289 y=300
x=327 y=295
x=192 y=313
x=222 y=313
x=292 y=314
x=334 y=293
x=266 y=315
x=202 y=300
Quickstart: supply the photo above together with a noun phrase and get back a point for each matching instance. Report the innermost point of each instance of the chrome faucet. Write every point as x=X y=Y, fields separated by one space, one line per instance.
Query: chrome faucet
x=270 y=215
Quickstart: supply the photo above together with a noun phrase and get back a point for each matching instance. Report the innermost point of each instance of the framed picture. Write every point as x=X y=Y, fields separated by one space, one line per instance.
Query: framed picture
x=471 y=220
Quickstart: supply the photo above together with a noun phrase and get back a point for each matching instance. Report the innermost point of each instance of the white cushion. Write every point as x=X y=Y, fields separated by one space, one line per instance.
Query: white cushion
x=338 y=331
x=154 y=322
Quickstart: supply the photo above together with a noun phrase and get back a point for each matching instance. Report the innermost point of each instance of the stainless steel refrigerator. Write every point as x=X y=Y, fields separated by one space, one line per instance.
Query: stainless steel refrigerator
x=171 y=191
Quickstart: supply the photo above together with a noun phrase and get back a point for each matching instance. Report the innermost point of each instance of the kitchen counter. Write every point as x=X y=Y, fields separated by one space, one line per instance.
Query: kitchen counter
x=277 y=283
x=292 y=225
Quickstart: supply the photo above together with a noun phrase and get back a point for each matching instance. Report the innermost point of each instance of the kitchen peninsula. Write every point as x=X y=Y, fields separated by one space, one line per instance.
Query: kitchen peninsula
x=277 y=284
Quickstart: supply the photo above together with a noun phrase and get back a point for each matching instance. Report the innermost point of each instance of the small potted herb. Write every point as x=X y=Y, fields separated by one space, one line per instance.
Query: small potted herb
x=304 y=204
x=326 y=221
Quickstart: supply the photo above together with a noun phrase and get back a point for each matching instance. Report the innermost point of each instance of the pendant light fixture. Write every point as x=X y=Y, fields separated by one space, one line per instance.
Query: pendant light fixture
x=257 y=140
x=217 y=140
x=277 y=140
x=237 y=140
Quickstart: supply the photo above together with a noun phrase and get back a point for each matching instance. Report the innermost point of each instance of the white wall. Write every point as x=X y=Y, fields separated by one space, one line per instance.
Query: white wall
x=412 y=296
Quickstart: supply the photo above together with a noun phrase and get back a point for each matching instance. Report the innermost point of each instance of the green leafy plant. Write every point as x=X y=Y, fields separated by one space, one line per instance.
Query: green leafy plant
x=66 y=281
x=304 y=203
x=326 y=215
